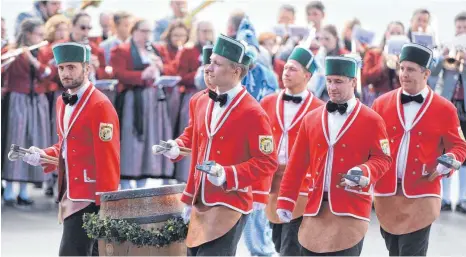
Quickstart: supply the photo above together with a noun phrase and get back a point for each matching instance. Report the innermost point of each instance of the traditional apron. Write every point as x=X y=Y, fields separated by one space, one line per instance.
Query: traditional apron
x=271 y=208
x=399 y=215
x=144 y=122
x=327 y=232
x=209 y=223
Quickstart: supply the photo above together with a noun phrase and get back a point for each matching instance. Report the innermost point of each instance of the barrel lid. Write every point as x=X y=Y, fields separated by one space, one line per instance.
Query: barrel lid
x=142 y=192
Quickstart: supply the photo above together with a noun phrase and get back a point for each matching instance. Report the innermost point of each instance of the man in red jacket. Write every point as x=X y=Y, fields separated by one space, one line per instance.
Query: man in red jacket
x=343 y=147
x=286 y=111
x=421 y=127
x=234 y=131
x=88 y=147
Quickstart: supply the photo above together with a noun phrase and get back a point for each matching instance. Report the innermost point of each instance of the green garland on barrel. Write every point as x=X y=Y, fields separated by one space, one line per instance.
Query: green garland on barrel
x=118 y=230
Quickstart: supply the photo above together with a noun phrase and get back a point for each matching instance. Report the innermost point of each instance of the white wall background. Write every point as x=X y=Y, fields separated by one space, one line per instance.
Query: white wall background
x=374 y=14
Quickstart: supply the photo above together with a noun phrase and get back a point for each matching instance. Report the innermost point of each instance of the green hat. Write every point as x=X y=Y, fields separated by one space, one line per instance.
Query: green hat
x=341 y=66
x=305 y=57
x=71 y=52
x=416 y=53
x=206 y=53
x=232 y=49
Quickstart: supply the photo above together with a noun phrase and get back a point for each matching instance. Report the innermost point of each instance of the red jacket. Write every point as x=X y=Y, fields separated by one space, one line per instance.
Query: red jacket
x=234 y=144
x=188 y=64
x=273 y=106
x=170 y=59
x=18 y=76
x=374 y=73
x=122 y=63
x=359 y=143
x=436 y=130
x=92 y=165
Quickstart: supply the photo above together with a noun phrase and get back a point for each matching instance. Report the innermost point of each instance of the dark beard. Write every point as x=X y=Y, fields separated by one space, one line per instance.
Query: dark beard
x=75 y=83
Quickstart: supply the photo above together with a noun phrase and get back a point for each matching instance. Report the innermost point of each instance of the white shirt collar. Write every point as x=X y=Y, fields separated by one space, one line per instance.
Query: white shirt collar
x=81 y=90
x=232 y=93
x=351 y=104
x=304 y=94
x=424 y=92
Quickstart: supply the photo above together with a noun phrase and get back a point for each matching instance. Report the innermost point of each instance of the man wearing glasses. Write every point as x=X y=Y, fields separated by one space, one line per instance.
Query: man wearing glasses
x=81 y=26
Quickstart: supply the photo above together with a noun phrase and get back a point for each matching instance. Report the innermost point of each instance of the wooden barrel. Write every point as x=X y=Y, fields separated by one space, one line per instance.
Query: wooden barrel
x=149 y=207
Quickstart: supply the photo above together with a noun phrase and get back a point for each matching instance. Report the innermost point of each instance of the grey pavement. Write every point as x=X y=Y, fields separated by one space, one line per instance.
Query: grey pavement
x=36 y=232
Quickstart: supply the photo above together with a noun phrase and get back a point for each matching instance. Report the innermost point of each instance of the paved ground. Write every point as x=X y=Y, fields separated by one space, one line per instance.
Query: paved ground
x=36 y=232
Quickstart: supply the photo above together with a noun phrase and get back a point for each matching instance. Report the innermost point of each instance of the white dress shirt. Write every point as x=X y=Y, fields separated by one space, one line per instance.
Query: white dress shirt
x=290 y=109
x=66 y=206
x=69 y=112
x=218 y=111
x=410 y=111
x=335 y=123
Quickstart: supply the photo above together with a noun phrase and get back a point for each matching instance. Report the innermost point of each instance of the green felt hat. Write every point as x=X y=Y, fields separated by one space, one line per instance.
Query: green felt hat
x=206 y=53
x=305 y=57
x=71 y=52
x=341 y=66
x=416 y=53
x=231 y=49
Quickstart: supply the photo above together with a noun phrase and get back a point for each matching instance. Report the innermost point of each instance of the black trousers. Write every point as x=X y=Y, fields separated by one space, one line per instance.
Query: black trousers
x=353 y=251
x=412 y=244
x=285 y=237
x=222 y=246
x=74 y=240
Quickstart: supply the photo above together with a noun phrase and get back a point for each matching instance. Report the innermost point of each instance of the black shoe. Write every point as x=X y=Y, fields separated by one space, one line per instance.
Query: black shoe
x=49 y=192
x=38 y=185
x=24 y=202
x=446 y=206
x=461 y=208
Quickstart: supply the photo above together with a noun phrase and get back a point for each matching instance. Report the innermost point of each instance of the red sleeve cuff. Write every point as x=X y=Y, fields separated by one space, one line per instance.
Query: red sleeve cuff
x=285 y=203
x=260 y=197
x=231 y=178
x=187 y=198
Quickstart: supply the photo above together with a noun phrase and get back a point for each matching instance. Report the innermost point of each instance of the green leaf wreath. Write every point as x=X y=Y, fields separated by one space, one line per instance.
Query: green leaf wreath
x=118 y=230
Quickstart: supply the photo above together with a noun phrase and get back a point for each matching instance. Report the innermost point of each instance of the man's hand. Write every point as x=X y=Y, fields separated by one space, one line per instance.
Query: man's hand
x=219 y=177
x=354 y=178
x=284 y=215
x=34 y=157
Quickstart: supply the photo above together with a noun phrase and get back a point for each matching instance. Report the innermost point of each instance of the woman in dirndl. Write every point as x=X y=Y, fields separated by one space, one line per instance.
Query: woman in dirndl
x=141 y=107
x=190 y=59
x=57 y=30
x=28 y=121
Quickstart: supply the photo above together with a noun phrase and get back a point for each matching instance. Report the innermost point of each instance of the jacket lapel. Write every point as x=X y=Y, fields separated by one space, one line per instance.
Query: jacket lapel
x=302 y=111
x=279 y=111
x=349 y=121
x=61 y=116
x=81 y=104
x=229 y=109
x=420 y=113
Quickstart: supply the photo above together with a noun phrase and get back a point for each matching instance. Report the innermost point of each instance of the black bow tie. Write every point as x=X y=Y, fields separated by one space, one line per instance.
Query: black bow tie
x=69 y=99
x=294 y=99
x=409 y=98
x=332 y=107
x=222 y=99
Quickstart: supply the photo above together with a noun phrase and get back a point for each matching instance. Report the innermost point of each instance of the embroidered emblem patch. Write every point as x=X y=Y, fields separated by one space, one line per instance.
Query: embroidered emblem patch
x=266 y=144
x=385 y=146
x=461 y=133
x=106 y=132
